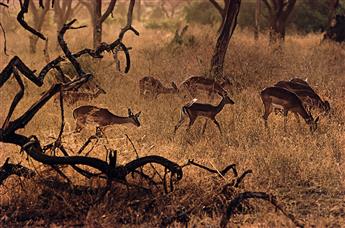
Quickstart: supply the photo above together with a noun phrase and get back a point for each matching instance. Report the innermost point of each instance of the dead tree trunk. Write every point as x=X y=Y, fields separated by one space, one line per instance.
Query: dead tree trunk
x=230 y=20
x=95 y=10
x=278 y=13
x=38 y=20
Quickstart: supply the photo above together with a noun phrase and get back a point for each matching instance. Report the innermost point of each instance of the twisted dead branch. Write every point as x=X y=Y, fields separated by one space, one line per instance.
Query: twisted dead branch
x=24 y=8
x=254 y=195
x=8 y=169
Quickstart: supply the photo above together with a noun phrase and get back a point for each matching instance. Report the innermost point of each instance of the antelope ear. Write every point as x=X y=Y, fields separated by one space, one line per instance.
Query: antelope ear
x=317 y=119
x=130 y=112
x=138 y=114
x=174 y=85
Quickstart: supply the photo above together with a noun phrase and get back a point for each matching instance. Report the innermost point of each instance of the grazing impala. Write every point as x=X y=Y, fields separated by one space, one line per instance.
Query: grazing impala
x=102 y=117
x=287 y=101
x=196 y=83
x=72 y=97
x=306 y=94
x=151 y=86
x=193 y=110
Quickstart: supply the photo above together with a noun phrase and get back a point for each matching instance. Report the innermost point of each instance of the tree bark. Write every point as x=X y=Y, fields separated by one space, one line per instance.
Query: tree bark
x=257 y=19
x=97 y=24
x=333 y=4
x=278 y=13
x=230 y=20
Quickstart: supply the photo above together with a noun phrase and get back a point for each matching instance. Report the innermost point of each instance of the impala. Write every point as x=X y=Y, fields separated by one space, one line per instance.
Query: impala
x=196 y=83
x=101 y=117
x=277 y=97
x=306 y=94
x=193 y=110
x=72 y=97
x=151 y=86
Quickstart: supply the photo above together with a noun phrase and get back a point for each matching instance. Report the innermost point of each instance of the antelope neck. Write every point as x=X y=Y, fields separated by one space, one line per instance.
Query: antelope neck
x=120 y=119
x=220 y=106
x=167 y=90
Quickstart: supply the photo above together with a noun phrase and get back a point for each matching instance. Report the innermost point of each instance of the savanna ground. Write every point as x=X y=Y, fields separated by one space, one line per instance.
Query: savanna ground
x=304 y=171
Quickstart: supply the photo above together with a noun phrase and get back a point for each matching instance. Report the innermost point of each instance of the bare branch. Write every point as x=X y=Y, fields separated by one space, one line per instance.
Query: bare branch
x=5 y=42
x=65 y=49
x=3 y=4
x=8 y=169
x=254 y=195
x=22 y=22
x=218 y=7
x=108 y=11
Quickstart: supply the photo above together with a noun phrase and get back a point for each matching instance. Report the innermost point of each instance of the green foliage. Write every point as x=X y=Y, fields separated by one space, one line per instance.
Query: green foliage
x=163 y=24
x=202 y=12
x=307 y=15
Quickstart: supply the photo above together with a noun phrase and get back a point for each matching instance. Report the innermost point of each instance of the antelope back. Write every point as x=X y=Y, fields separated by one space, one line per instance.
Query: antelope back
x=201 y=83
x=301 y=81
x=293 y=86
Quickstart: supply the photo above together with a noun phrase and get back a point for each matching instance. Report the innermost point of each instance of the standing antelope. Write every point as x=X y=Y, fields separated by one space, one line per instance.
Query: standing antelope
x=288 y=101
x=193 y=110
x=102 y=117
x=195 y=83
x=306 y=94
x=153 y=87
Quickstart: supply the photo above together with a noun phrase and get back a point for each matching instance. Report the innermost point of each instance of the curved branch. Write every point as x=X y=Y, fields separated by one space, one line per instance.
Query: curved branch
x=65 y=49
x=8 y=169
x=22 y=22
x=108 y=11
x=253 y=195
x=218 y=7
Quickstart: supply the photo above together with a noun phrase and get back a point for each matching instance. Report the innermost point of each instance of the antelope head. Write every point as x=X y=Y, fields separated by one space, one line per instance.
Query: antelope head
x=311 y=122
x=134 y=117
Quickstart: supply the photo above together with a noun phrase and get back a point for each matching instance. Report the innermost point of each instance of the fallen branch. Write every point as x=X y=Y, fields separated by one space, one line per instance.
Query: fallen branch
x=221 y=173
x=254 y=195
x=8 y=169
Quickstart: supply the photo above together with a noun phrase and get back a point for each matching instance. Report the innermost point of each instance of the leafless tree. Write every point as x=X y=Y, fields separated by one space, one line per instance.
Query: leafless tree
x=95 y=9
x=278 y=13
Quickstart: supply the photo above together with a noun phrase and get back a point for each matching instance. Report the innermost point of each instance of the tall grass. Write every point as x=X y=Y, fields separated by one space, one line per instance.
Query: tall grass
x=304 y=170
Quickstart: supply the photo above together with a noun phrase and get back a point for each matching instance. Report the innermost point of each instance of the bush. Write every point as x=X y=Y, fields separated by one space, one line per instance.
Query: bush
x=202 y=13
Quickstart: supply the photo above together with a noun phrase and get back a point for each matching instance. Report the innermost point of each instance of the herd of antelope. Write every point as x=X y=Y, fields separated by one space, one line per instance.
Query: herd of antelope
x=296 y=96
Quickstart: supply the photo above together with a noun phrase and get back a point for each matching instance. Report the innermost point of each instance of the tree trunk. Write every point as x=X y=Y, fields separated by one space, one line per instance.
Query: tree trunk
x=333 y=4
x=97 y=28
x=277 y=30
x=217 y=62
x=257 y=19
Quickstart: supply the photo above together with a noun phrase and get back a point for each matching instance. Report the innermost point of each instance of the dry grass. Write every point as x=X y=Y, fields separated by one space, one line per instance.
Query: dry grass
x=305 y=171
